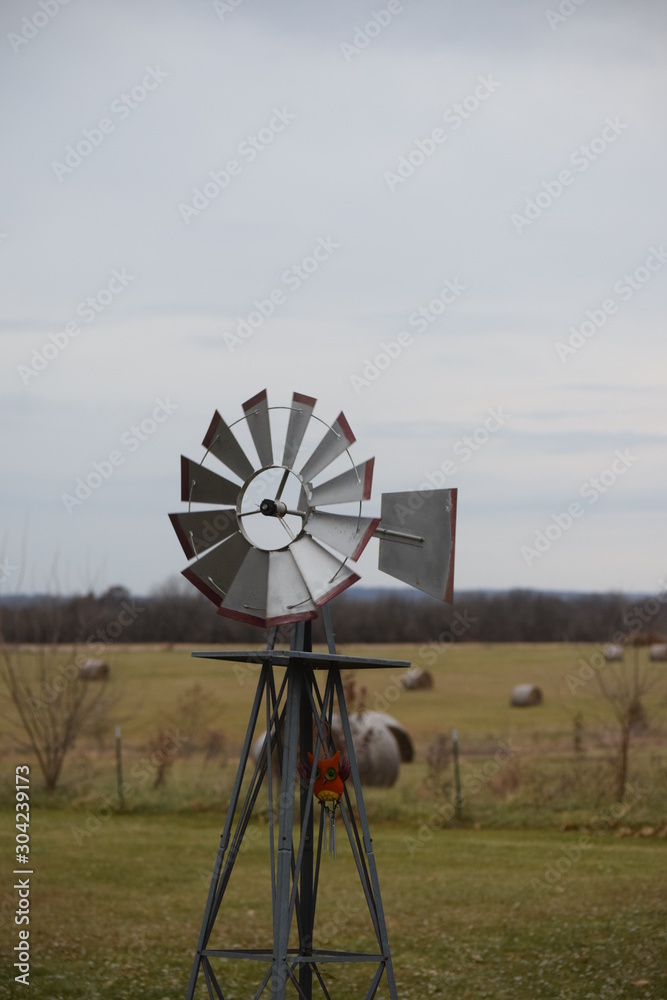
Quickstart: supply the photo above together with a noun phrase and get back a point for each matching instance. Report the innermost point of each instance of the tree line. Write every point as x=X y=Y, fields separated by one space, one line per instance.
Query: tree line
x=173 y=615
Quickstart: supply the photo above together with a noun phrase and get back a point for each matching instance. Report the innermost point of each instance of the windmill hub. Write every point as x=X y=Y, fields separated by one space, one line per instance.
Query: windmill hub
x=273 y=508
x=273 y=492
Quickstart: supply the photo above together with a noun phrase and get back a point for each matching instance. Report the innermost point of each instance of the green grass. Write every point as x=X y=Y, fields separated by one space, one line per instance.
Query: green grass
x=491 y=905
x=118 y=916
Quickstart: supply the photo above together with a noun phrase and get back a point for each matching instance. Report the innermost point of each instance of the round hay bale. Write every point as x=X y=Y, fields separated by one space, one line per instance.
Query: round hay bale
x=401 y=735
x=257 y=748
x=612 y=653
x=94 y=670
x=380 y=744
x=377 y=752
x=525 y=695
x=417 y=679
x=658 y=651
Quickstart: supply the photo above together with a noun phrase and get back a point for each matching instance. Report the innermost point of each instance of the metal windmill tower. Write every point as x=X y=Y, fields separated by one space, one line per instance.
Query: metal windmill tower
x=275 y=558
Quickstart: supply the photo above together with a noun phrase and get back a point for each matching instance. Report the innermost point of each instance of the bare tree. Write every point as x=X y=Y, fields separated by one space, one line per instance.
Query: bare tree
x=624 y=684
x=50 y=701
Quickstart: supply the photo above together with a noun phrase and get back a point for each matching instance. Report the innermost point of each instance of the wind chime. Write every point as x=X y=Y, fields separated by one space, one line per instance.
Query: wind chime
x=331 y=773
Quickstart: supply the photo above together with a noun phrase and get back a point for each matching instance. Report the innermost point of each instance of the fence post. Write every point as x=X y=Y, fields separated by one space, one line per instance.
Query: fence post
x=457 y=774
x=119 y=769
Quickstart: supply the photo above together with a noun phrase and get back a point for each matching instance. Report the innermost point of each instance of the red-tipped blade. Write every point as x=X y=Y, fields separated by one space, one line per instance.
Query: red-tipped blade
x=301 y=411
x=336 y=440
x=220 y=441
x=198 y=530
x=355 y=484
x=324 y=574
x=214 y=573
x=346 y=533
x=257 y=417
x=200 y=485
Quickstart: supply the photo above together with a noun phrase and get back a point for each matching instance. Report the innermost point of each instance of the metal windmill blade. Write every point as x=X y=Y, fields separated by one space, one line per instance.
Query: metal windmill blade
x=337 y=440
x=345 y=534
x=220 y=441
x=200 y=529
x=300 y=414
x=201 y=485
x=257 y=414
x=311 y=555
x=214 y=573
x=355 y=484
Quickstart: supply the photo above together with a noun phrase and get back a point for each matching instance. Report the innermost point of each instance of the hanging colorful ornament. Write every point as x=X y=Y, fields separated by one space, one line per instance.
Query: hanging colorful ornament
x=328 y=788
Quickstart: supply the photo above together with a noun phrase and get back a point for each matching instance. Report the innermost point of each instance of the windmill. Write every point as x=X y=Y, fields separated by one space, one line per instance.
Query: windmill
x=271 y=553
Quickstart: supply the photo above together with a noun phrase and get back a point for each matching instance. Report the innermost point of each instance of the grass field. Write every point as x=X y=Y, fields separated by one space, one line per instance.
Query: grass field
x=544 y=888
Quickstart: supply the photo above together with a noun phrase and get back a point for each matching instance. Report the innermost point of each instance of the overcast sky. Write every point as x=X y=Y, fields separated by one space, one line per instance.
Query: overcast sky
x=484 y=182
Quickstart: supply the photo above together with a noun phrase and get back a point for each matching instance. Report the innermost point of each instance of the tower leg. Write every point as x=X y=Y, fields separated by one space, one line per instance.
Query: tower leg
x=281 y=912
x=207 y=921
x=306 y=888
x=381 y=926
